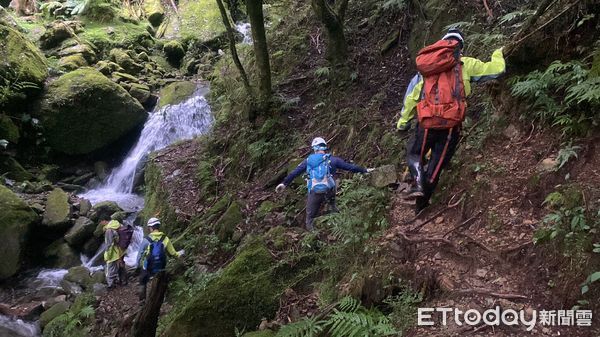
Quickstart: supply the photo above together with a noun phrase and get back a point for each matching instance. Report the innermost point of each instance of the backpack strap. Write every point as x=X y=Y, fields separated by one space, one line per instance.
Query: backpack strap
x=442 y=157
x=162 y=238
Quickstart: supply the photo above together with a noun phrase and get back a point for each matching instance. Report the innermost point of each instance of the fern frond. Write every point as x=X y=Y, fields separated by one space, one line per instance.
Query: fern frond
x=308 y=327
x=349 y=304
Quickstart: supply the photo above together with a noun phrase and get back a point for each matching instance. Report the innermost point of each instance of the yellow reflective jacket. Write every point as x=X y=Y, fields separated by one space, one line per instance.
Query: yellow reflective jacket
x=473 y=70
x=145 y=247
x=112 y=252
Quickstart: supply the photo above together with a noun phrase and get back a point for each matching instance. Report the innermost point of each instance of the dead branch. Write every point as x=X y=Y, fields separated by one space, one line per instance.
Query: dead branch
x=450 y=205
x=488 y=292
x=477 y=243
x=426 y=239
x=488 y=10
x=516 y=248
x=462 y=224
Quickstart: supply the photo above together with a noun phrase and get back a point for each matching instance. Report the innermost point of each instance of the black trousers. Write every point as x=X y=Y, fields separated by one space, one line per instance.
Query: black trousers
x=313 y=205
x=435 y=140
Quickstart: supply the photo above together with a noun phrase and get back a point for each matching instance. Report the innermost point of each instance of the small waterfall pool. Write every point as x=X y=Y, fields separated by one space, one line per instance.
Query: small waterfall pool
x=164 y=127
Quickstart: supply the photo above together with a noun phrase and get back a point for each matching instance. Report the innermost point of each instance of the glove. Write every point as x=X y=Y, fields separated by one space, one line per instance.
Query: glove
x=404 y=127
x=369 y=170
x=181 y=253
x=280 y=188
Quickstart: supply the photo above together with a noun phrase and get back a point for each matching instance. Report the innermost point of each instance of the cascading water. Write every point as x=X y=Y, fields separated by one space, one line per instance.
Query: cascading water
x=17 y=328
x=245 y=29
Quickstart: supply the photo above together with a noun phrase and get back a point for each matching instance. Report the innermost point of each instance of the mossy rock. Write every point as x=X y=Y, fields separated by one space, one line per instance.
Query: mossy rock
x=155 y=12
x=104 y=210
x=119 y=34
x=264 y=333
x=8 y=130
x=80 y=232
x=225 y=226
x=16 y=219
x=11 y=168
x=60 y=255
x=72 y=62
x=176 y=93
x=107 y=67
x=54 y=311
x=174 y=52
x=122 y=58
x=383 y=176
x=247 y=291
x=141 y=92
x=55 y=34
x=21 y=58
x=58 y=209
x=218 y=208
x=80 y=275
x=83 y=111
x=85 y=50
x=265 y=208
x=198 y=20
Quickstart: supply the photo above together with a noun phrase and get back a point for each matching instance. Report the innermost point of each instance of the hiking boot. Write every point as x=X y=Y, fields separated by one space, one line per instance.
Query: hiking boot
x=417 y=189
x=420 y=205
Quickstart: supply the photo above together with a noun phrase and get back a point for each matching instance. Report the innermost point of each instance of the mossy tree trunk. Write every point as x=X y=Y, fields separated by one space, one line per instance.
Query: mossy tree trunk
x=332 y=18
x=261 y=51
x=146 y=321
x=232 y=48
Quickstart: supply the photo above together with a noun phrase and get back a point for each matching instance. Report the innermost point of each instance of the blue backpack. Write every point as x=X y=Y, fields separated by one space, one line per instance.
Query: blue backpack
x=157 y=257
x=318 y=168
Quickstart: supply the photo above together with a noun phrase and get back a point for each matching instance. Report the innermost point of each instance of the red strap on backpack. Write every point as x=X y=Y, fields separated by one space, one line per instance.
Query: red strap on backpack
x=442 y=105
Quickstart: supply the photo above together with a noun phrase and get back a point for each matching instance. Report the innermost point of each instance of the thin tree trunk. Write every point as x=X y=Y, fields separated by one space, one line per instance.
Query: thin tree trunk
x=146 y=320
x=333 y=20
x=261 y=51
x=232 y=48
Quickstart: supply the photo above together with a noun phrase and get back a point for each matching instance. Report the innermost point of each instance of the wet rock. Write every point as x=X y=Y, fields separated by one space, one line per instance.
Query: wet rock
x=154 y=12
x=84 y=206
x=56 y=33
x=83 y=111
x=174 y=52
x=70 y=288
x=99 y=277
x=120 y=77
x=79 y=49
x=55 y=311
x=58 y=209
x=52 y=301
x=176 y=93
x=16 y=221
x=26 y=311
x=384 y=176
x=11 y=168
x=60 y=255
x=80 y=232
x=104 y=210
x=107 y=68
x=8 y=130
x=141 y=92
x=90 y=247
x=99 y=289
x=79 y=275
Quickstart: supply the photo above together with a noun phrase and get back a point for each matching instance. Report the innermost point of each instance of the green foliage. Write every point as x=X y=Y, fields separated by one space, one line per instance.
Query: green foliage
x=361 y=211
x=348 y=319
x=13 y=87
x=76 y=322
x=513 y=16
x=565 y=154
x=564 y=95
x=404 y=308
x=99 y=10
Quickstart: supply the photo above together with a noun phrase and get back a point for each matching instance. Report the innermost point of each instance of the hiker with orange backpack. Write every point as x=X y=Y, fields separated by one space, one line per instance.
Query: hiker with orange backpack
x=438 y=92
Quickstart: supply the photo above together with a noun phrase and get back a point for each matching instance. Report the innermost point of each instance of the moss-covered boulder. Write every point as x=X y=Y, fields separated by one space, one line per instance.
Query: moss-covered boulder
x=84 y=111
x=11 y=168
x=72 y=62
x=247 y=291
x=383 y=176
x=20 y=58
x=225 y=226
x=176 y=93
x=155 y=12
x=56 y=33
x=16 y=219
x=60 y=255
x=58 y=209
x=54 y=311
x=104 y=210
x=8 y=130
x=122 y=58
x=141 y=92
x=195 y=14
x=80 y=232
x=79 y=275
x=107 y=67
x=174 y=52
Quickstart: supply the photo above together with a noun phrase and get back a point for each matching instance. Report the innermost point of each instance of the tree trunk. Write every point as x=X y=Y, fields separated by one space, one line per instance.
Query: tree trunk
x=337 y=47
x=232 y=48
x=234 y=10
x=261 y=51
x=146 y=320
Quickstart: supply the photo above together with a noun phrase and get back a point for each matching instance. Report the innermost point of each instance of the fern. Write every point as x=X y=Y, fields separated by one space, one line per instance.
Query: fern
x=308 y=327
x=322 y=72
x=349 y=304
x=515 y=15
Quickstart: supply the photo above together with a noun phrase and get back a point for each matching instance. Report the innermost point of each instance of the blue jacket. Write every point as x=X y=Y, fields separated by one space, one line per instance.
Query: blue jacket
x=336 y=163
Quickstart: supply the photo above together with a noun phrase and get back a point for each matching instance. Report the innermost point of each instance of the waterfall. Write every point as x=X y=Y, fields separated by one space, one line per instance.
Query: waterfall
x=17 y=328
x=164 y=127
x=245 y=29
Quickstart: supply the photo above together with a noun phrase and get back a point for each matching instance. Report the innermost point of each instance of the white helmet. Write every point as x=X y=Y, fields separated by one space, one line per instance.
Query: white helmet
x=319 y=142
x=153 y=222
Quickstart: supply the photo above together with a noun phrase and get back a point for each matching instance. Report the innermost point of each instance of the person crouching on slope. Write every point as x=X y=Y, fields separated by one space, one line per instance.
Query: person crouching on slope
x=320 y=167
x=152 y=256
x=438 y=92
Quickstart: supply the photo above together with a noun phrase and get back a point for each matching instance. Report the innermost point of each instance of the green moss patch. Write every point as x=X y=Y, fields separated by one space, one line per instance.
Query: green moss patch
x=176 y=93
x=199 y=20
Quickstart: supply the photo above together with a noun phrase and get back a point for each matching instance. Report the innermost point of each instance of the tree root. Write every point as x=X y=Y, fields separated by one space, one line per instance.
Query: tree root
x=489 y=292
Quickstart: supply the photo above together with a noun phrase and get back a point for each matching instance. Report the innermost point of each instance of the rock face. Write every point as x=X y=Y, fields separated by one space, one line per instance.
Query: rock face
x=80 y=232
x=19 y=56
x=58 y=209
x=384 y=176
x=83 y=111
x=216 y=311
x=60 y=255
x=16 y=219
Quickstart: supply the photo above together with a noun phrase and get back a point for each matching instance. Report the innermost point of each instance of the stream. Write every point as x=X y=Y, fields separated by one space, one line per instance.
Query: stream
x=165 y=126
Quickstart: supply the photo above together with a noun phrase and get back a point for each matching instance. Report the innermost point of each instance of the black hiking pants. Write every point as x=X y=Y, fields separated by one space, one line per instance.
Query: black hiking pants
x=314 y=202
x=442 y=143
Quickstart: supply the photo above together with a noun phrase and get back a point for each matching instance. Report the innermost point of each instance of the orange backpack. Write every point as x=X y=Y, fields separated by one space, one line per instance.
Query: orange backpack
x=442 y=104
